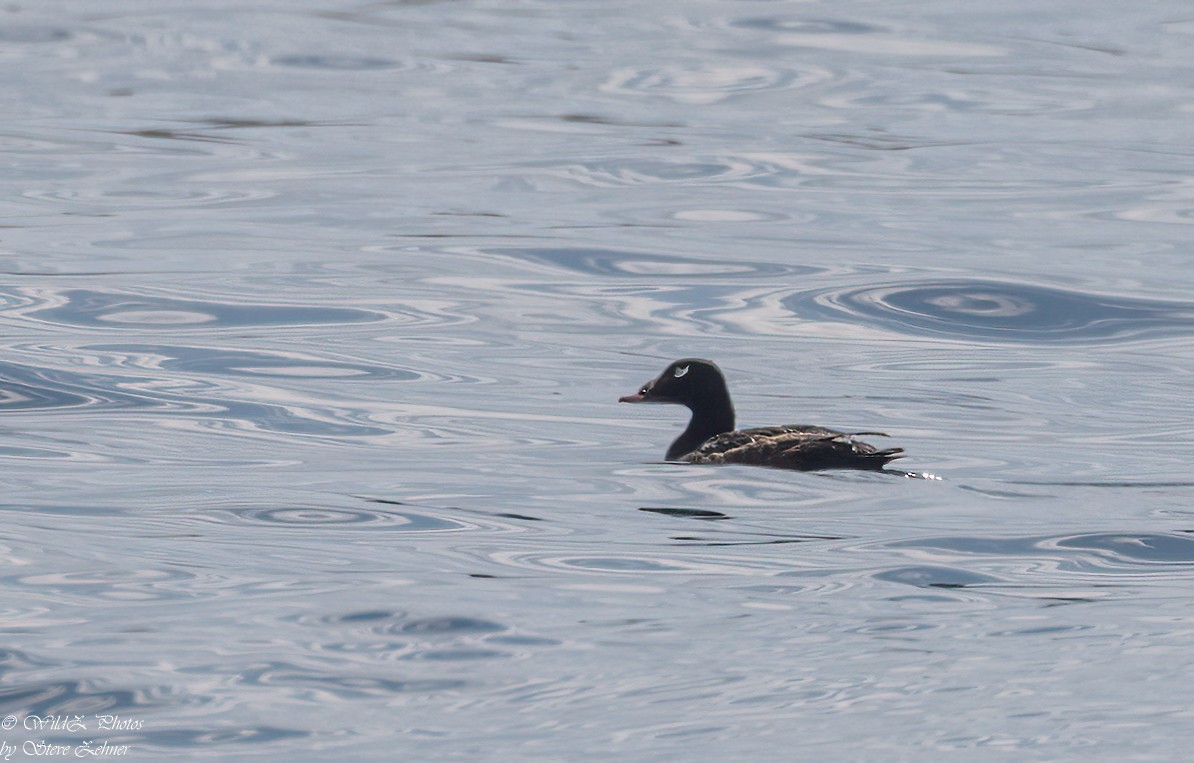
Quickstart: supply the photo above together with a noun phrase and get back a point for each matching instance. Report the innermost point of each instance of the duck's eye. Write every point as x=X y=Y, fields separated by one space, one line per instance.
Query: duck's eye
x=680 y=371
x=644 y=391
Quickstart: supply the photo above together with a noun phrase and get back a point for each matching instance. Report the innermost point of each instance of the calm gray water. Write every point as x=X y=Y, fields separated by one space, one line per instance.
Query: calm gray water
x=314 y=315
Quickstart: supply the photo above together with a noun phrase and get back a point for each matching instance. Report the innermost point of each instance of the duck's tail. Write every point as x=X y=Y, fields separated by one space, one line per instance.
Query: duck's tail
x=882 y=458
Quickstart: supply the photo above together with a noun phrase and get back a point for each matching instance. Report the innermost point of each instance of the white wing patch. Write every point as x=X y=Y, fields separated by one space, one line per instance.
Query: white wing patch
x=681 y=371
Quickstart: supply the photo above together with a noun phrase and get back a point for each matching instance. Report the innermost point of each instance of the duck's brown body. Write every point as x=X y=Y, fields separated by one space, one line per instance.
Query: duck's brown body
x=795 y=446
x=710 y=437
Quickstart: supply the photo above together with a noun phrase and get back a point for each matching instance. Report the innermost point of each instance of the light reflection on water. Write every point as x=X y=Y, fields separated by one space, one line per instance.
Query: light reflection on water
x=314 y=318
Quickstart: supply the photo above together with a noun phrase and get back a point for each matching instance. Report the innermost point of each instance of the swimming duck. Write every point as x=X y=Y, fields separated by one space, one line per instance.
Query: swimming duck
x=711 y=438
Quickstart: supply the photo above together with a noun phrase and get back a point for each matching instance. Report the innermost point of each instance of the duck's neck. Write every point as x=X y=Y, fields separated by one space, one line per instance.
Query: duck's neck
x=711 y=416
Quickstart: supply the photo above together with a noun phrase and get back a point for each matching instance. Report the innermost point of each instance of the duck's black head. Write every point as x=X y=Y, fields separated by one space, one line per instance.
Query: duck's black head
x=699 y=385
x=695 y=383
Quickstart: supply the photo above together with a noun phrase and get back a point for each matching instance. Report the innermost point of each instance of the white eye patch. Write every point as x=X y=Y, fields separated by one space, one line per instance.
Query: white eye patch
x=680 y=371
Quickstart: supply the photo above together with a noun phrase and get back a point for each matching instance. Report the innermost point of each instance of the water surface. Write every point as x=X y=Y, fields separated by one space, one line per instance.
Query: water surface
x=314 y=315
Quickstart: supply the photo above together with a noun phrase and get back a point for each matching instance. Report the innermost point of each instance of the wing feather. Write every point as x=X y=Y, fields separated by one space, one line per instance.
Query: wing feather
x=795 y=446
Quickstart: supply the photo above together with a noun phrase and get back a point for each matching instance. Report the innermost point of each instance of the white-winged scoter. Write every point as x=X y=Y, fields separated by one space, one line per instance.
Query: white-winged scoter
x=711 y=438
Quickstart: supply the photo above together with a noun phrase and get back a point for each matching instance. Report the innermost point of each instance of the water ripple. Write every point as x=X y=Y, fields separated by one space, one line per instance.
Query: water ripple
x=395 y=635
x=27 y=388
x=345 y=518
x=68 y=698
x=863 y=39
x=112 y=585
x=709 y=82
x=224 y=362
x=192 y=738
x=632 y=564
x=334 y=62
x=33 y=34
x=998 y=311
x=1135 y=548
x=344 y=686
x=160 y=195
x=610 y=173
x=113 y=310
x=640 y=265
x=934 y=577
x=1098 y=553
x=808 y=26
